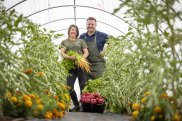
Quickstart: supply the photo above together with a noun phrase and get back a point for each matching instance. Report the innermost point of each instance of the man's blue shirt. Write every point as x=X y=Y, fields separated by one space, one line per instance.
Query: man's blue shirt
x=101 y=39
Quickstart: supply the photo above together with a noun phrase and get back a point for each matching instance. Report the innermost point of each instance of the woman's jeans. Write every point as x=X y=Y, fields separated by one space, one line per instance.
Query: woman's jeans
x=82 y=78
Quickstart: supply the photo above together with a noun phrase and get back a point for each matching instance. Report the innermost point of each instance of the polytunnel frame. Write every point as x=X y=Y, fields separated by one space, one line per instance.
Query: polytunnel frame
x=131 y=25
x=74 y=6
x=75 y=12
x=83 y=19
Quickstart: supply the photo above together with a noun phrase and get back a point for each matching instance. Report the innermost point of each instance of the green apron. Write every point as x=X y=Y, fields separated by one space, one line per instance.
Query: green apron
x=96 y=60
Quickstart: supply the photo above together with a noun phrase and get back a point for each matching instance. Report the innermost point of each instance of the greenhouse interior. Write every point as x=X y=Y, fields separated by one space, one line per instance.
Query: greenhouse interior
x=91 y=60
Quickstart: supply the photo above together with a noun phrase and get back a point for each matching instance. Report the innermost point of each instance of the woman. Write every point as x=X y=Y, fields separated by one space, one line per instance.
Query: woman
x=74 y=44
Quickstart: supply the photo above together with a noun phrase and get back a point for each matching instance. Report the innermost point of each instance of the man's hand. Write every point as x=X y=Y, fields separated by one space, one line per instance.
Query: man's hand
x=102 y=53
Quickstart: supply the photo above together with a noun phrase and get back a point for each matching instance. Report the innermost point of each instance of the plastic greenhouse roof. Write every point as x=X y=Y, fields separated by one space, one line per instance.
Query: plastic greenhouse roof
x=57 y=15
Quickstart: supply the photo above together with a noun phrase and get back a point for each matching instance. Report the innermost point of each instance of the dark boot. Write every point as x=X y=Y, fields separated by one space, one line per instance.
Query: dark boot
x=75 y=108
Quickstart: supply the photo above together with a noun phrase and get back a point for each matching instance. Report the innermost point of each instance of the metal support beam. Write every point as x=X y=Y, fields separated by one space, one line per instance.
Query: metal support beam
x=75 y=12
x=16 y=5
x=83 y=19
x=84 y=7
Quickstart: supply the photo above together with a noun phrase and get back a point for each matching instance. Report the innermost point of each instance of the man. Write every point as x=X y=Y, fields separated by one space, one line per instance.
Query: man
x=95 y=41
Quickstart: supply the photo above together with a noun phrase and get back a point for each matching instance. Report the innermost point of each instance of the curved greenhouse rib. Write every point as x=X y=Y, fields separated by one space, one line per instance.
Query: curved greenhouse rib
x=65 y=29
x=81 y=6
x=16 y=5
x=84 y=19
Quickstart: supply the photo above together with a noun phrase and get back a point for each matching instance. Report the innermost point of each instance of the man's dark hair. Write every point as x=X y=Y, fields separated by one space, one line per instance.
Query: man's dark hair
x=91 y=18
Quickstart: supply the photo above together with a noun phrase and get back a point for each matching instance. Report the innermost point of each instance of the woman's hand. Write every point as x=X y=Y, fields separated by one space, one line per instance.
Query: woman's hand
x=73 y=58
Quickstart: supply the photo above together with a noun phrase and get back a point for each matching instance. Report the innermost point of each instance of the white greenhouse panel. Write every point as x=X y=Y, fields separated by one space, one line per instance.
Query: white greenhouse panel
x=57 y=15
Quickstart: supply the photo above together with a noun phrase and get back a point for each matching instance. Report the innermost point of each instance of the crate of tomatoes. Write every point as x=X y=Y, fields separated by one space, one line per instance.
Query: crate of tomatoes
x=92 y=102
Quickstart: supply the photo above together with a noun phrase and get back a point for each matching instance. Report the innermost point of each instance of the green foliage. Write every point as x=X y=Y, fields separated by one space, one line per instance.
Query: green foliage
x=122 y=76
x=11 y=77
x=147 y=58
x=46 y=106
x=93 y=86
x=29 y=60
x=69 y=64
x=41 y=55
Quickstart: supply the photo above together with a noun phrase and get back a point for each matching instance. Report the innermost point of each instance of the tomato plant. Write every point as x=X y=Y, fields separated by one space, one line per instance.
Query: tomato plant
x=28 y=64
